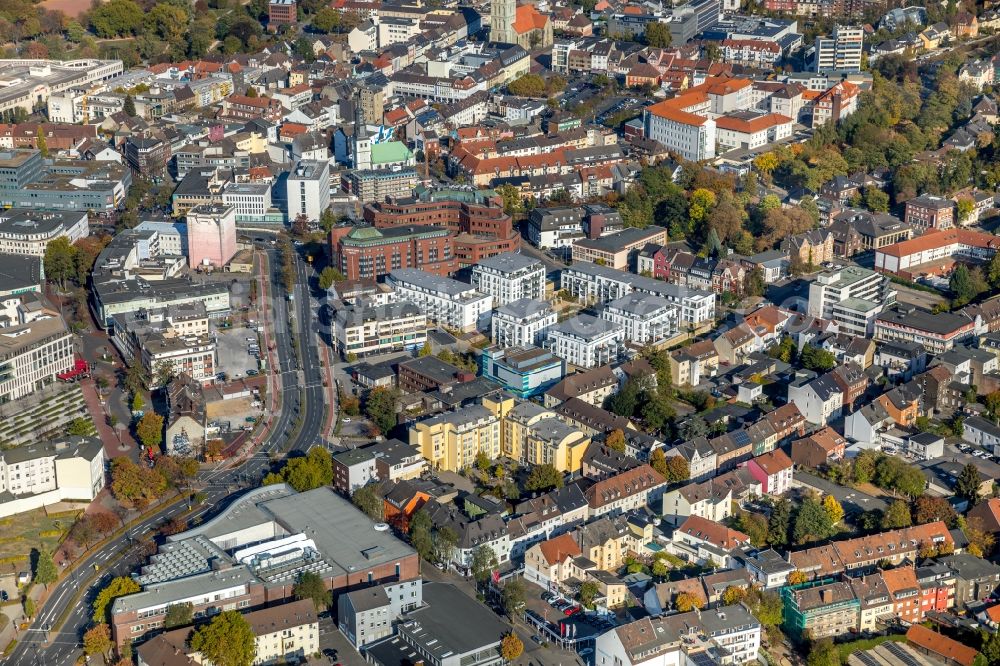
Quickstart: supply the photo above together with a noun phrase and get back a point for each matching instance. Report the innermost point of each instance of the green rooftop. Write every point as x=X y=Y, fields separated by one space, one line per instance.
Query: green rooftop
x=390 y=152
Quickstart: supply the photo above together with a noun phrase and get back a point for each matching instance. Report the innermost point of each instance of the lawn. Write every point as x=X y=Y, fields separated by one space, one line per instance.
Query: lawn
x=33 y=529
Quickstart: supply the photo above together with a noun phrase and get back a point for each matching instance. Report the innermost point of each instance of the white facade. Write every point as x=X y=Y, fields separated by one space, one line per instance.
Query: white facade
x=251 y=200
x=586 y=341
x=820 y=400
x=28 y=232
x=41 y=474
x=510 y=277
x=851 y=296
x=35 y=346
x=841 y=52
x=644 y=318
x=522 y=323
x=308 y=189
x=364 y=330
x=445 y=301
x=692 y=139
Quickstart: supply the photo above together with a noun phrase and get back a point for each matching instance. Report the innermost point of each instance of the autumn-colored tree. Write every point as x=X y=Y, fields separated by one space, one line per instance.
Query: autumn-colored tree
x=927 y=509
x=797 y=577
x=833 y=509
x=118 y=587
x=616 y=440
x=685 y=602
x=150 y=430
x=766 y=163
x=980 y=540
x=511 y=647
x=733 y=595
x=97 y=640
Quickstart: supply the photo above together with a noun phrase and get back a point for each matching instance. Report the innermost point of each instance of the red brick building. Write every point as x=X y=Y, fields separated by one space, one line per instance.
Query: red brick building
x=282 y=12
x=930 y=212
x=368 y=252
x=241 y=107
x=481 y=227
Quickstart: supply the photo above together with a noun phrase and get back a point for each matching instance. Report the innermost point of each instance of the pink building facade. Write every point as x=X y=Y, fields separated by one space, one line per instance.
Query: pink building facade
x=211 y=234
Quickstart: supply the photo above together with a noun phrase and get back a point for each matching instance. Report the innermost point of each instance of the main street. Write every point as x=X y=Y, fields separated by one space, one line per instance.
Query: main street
x=302 y=401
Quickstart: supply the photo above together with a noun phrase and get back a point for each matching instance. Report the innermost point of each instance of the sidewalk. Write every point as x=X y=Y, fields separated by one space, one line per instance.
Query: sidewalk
x=108 y=434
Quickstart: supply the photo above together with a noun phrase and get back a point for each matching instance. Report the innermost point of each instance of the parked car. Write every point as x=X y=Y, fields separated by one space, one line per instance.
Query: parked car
x=571 y=610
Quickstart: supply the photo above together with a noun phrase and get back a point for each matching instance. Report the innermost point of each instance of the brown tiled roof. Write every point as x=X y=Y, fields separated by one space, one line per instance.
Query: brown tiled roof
x=937 y=238
x=715 y=533
x=901 y=581
x=638 y=480
x=773 y=461
x=557 y=549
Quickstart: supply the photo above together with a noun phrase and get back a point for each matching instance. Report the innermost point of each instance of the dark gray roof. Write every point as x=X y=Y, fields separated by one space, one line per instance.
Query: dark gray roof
x=614 y=242
x=453 y=622
x=941 y=323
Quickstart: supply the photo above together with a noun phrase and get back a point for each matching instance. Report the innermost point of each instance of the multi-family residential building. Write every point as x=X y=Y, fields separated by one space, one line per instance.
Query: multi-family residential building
x=692 y=364
x=586 y=341
x=773 y=470
x=936 y=333
x=818 y=398
x=451 y=441
x=624 y=492
x=645 y=318
x=840 y=53
x=43 y=473
x=308 y=189
x=618 y=250
x=445 y=301
x=819 y=611
x=363 y=329
x=534 y=435
x=510 y=277
x=708 y=499
x=353 y=469
x=369 y=614
x=522 y=323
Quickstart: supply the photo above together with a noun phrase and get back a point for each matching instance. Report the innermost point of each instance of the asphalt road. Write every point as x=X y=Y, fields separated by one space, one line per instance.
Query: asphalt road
x=302 y=399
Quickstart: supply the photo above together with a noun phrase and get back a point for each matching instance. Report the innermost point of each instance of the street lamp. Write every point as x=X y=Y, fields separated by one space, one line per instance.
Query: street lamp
x=119 y=428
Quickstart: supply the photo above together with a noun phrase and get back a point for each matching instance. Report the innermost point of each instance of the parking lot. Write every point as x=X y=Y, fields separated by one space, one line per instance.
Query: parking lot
x=235 y=358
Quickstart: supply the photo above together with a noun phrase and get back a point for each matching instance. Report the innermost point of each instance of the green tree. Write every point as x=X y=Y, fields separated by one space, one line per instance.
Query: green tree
x=329 y=277
x=118 y=587
x=785 y=350
x=380 y=407
x=426 y=350
x=314 y=470
x=326 y=20
x=896 y=516
x=310 y=586
x=658 y=35
x=962 y=286
x=29 y=608
x=543 y=477
x=964 y=207
x=588 y=592
x=79 y=427
x=527 y=85
x=116 y=18
x=967 y=485
x=779 y=523
x=512 y=597
x=812 y=522
x=60 y=261
x=179 y=615
x=876 y=200
x=228 y=640
x=45 y=569
x=421 y=535
x=754 y=525
x=816 y=359
x=864 y=466
x=993 y=273
x=767 y=607
x=369 y=500
x=150 y=430
x=513 y=205
x=823 y=653
x=484 y=562
x=41 y=143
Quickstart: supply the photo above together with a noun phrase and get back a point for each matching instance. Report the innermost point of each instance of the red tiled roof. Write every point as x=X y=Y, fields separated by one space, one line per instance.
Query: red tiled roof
x=755 y=125
x=773 y=462
x=935 y=643
x=557 y=549
x=936 y=238
x=712 y=532
x=528 y=18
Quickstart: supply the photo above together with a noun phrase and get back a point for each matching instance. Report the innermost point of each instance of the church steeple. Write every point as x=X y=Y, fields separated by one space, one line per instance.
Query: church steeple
x=503 y=13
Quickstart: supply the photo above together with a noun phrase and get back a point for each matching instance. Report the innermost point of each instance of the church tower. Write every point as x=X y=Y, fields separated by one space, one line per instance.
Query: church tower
x=502 y=16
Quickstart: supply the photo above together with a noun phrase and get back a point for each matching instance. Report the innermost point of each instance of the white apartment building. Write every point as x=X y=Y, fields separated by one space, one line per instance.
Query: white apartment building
x=40 y=474
x=586 y=341
x=285 y=633
x=166 y=238
x=593 y=283
x=851 y=296
x=748 y=130
x=645 y=318
x=308 y=189
x=555 y=228
x=369 y=614
x=251 y=200
x=841 y=52
x=35 y=346
x=362 y=329
x=689 y=134
x=510 y=277
x=445 y=301
x=396 y=30
x=174 y=337
x=522 y=323
x=28 y=232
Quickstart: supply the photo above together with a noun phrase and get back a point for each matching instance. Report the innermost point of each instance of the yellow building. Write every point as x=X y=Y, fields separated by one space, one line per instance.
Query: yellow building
x=452 y=441
x=533 y=435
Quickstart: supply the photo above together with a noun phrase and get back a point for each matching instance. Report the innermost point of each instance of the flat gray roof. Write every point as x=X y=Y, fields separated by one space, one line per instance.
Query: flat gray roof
x=508 y=262
x=451 y=622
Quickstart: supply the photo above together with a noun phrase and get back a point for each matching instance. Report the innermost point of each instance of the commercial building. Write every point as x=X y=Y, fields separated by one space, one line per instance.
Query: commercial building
x=282 y=12
x=174 y=337
x=510 y=277
x=445 y=301
x=851 y=296
x=618 y=250
x=28 y=232
x=211 y=235
x=252 y=553
x=586 y=341
x=522 y=323
x=367 y=252
x=377 y=185
x=39 y=474
x=353 y=469
x=362 y=329
x=252 y=202
x=840 y=53
x=147 y=155
x=35 y=345
x=27 y=181
x=451 y=441
x=308 y=189
x=368 y=615
x=523 y=371
x=30 y=82
x=936 y=333
x=645 y=318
